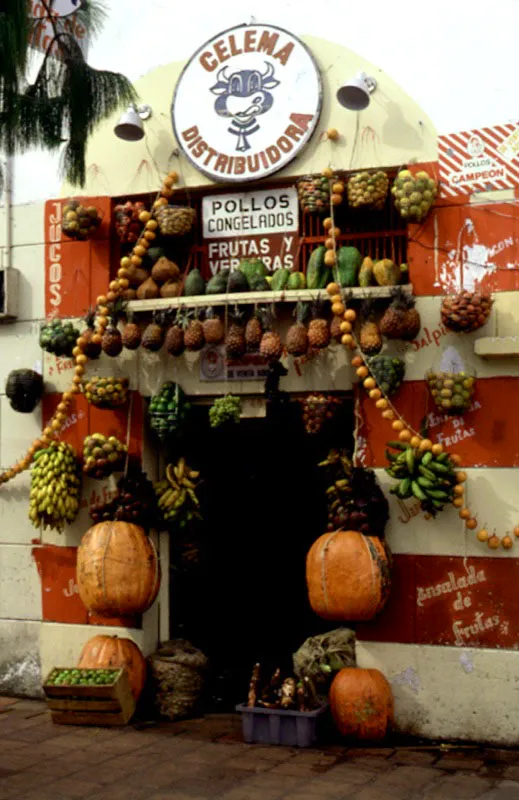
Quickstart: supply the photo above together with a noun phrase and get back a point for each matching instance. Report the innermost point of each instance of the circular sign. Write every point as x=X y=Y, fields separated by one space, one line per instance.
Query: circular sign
x=247 y=103
x=60 y=8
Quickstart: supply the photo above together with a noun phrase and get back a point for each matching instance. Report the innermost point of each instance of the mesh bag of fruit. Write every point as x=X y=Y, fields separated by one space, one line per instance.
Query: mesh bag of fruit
x=80 y=221
x=314 y=194
x=168 y=411
x=368 y=190
x=106 y=392
x=175 y=220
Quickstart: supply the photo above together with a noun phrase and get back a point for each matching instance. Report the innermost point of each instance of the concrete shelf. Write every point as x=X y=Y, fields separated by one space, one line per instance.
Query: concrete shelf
x=493 y=347
x=261 y=298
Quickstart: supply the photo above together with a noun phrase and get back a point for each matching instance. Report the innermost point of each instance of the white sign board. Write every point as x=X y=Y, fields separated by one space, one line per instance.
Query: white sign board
x=250 y=213
x=247 y=103
x=214 y=366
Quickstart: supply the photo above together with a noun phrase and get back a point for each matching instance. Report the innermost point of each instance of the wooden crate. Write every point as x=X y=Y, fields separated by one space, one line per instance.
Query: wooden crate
x=100 y=705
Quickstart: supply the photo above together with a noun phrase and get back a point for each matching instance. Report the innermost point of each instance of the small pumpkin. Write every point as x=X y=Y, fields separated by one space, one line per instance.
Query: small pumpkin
x=24 y=388
x=347 y=576
x=112 y=651
x=361 y=702
x=118 y=571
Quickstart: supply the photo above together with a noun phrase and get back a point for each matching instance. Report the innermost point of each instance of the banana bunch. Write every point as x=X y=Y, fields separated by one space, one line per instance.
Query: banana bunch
x=429 y=478
x=55 y=487
x=176 y=494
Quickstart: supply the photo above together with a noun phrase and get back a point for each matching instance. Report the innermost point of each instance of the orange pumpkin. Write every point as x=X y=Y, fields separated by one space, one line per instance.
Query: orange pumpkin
x=118 y=572
x=111 y=651
x=347 y=576
x=361 y=702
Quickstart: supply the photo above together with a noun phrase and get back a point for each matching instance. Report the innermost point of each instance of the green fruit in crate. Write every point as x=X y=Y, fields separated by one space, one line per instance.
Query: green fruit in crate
x=296 y=281
x=58 y=337
x=106 y=392
x=168 y=411
x=237 y=282
x=102 y=455
x=452 y=391
x=414 y=195
x=195 y=284
x=260 y=284
x=83 y=677
x=252 y=267
x=55 y=487
x=218 y=283
x=388 y=372
x=349 y=260
x=368 y=190
x=280 y=280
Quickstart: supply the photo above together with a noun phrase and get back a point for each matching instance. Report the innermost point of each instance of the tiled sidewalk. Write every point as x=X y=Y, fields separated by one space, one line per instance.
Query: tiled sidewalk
x=202 y=759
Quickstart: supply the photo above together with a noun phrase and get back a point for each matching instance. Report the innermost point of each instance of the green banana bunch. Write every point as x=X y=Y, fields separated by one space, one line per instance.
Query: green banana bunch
x=55 y=487
x=176 y=494
x=420 y=474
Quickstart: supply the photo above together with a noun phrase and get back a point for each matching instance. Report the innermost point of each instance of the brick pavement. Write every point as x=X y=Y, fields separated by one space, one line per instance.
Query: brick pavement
x=202 y=759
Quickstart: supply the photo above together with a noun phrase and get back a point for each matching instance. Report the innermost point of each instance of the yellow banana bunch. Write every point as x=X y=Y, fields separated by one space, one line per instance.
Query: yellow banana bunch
x=176 y=494
x=55 y=487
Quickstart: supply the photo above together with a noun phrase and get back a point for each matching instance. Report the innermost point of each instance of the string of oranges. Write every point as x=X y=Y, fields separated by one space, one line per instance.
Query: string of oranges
x=115 y=287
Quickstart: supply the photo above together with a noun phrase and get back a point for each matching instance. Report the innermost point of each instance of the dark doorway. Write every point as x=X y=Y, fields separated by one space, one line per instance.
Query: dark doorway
x=238 y=587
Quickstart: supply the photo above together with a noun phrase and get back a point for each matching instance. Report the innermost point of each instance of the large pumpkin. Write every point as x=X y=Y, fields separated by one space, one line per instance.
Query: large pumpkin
x=118 y=572
x=111 y=651
x=361 y=703
x=347 y=576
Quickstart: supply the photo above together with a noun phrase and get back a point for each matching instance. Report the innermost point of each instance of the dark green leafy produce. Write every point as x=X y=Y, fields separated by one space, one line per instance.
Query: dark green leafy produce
x=58 y=337
x=388 y=373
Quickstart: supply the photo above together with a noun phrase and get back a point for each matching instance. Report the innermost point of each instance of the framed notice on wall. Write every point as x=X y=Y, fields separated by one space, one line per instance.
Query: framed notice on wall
x=261 y=224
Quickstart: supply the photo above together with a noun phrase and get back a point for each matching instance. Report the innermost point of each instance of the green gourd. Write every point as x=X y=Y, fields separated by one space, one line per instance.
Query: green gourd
x=218 y=283
x=297 y=280
x=251 y=267
x=317 y=273
x=348 y=263
x=366 y=272
x=280 y=279
x=194 y=284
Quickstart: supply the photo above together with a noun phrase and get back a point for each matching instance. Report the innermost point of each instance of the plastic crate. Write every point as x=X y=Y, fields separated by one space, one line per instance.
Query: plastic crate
x=274 y=726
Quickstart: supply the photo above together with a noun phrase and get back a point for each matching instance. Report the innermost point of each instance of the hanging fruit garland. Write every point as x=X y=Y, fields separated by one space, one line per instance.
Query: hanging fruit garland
x=102 y=314
x=430 y=463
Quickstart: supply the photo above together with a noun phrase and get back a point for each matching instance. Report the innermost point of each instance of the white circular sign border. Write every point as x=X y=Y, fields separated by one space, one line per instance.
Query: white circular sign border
x=221 y=179
x=60 y=14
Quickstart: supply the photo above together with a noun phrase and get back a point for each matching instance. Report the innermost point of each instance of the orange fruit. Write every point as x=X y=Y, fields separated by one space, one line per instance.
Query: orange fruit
x=516 y=530
x=329 y=244
x=471 y=524
x=336 y=199
x=333 y=289
x=338 y=188
x=415 y=441
x=507 y=542
x=333 y=134
x=456 y=459
x=404 y=435
x=458 y=502
x=437 y=449
x=389 y=414
x=125 y=262
x=136 y=261
x=350 y=315
x=483 y=535
x=327 y=223
x=327 y=172
x=465 y=513
x=144 y=216
x=346 y=339
x=375 y=394
x=346 y=328
x=173 y=175
x=338 y=309
x=459 y=489
x=329 y=258
x=362 y=372
x=461 y=477
x=426 y=444
x=398 y=425
x=358 y=361
x=381 y=404
x=493 y=542
x=149 y=236
x=370 y=383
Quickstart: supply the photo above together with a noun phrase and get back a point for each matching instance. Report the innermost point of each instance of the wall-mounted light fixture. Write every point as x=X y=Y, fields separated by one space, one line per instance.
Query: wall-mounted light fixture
x=130 y=127
x=355 y=94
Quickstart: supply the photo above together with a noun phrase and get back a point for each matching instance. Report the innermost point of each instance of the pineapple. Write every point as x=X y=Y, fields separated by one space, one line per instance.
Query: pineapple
x=235 y=338
x=92 y=347
x=131 y=335
x=214 y=330
x=194 y=335
x=271 y=346
x=153 y=336
x=297 y=336
x=370 y=340
x=175 y=339
x=318 y=329
x=253 y=332
x=112 y=342
x=401 y=320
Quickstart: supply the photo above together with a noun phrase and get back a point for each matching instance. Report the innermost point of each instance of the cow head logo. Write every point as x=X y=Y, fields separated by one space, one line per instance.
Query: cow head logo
x=243 y=96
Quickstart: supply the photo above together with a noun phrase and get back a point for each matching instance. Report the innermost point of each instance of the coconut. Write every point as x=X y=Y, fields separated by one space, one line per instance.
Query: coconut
x=165 y=270
x=171 y=289
x=148 y=290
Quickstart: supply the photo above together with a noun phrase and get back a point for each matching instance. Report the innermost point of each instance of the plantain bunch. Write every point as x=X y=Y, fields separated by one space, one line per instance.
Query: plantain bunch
x=429 y=478
x=55 y=487
x=176 y=494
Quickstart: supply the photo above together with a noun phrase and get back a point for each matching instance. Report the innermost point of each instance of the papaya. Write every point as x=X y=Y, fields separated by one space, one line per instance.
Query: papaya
x=297 y=280
x=194 y=284
x=251 y=267
x=386 y=272
x=218 y=283
x=237 y=282
x=348 y=263
x=280 y=279
x=366 y=272
x=317 y=273
x=259 y=283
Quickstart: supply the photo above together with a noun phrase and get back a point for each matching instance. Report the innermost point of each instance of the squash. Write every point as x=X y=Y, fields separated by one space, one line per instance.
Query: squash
x=112 y=651
x=317 y=273
x=347 y=576
x=297 y=280
x=253 y=267
x=361 y=702
x=118 y=571
x=194 y=284
x=366 y=272
x=280 y=279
